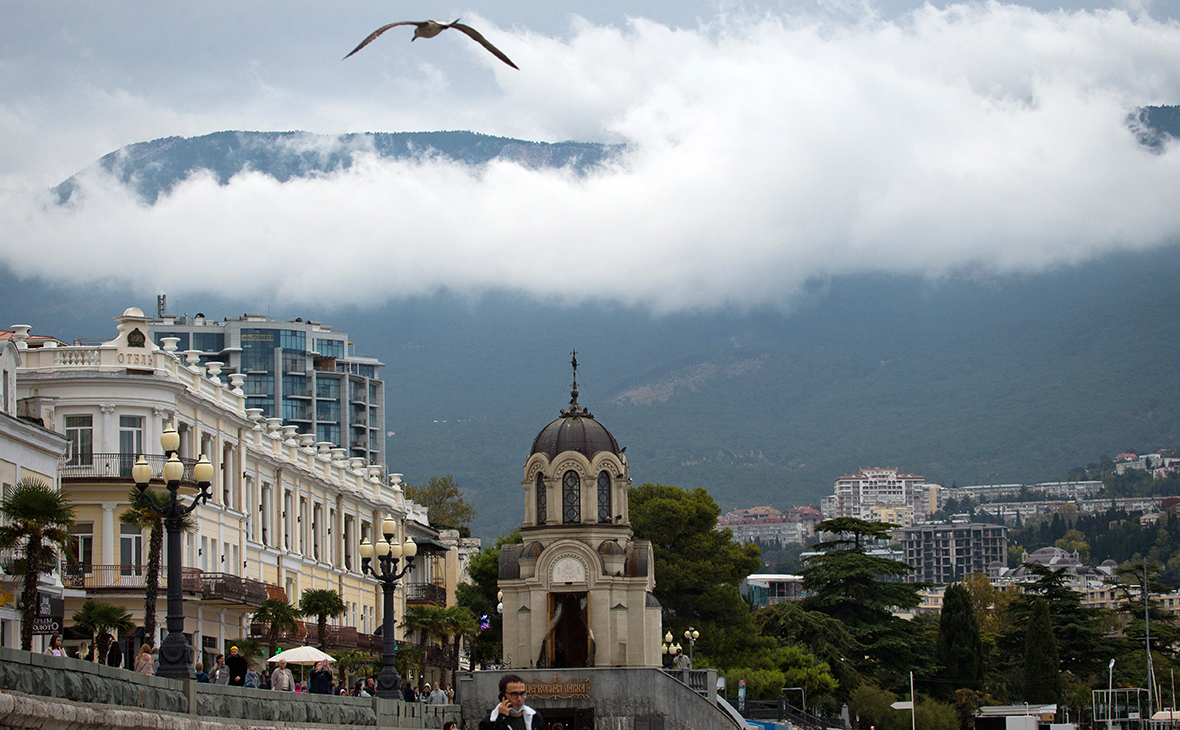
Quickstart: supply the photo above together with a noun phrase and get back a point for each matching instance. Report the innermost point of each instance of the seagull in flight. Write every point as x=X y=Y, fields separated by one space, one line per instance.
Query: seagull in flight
x=431 y=28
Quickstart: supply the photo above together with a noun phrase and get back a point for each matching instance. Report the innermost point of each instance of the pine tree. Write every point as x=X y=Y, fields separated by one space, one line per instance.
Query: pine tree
x=960 y=648
x=1042 y=676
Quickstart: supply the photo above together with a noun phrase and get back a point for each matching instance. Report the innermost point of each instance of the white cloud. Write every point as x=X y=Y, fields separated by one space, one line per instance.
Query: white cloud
x=763 y=151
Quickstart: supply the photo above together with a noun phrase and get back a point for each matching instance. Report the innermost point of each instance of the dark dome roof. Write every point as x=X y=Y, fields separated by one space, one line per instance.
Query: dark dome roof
x=576 y=430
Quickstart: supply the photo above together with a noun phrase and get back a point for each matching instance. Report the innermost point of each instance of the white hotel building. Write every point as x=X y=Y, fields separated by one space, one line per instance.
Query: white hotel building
x=286 y=515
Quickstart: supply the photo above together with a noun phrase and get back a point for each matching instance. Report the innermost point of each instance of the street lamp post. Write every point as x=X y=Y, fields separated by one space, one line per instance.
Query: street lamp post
x=388 y=552
x=175 y=651
x=692 y=635
x=667 y=650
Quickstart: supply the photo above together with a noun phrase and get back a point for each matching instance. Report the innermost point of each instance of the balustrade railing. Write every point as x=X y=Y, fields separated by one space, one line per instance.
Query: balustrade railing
x=124 y=578
x=426 y=593
x=116 y=466
x=233 y=589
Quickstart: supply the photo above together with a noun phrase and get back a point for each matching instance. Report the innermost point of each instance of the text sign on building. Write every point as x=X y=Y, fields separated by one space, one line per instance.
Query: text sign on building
x=50 y=615
x=570 y=689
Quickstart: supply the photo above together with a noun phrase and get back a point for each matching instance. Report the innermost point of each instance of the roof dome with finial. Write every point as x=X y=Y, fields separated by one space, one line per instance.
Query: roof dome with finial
x=575 y=430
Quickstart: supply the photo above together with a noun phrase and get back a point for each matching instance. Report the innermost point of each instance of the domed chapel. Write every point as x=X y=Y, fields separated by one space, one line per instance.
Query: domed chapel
x=578 y=591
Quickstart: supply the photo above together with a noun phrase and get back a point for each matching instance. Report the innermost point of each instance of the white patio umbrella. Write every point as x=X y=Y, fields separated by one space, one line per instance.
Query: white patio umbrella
x=302 y=655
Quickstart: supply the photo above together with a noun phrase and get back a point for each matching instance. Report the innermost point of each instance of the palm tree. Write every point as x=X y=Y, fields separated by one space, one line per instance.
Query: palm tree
x=279 y=616
x=39 y=518
x=460 y=624
x=103 y=621
x=347 y=661
x=321 y=603
x=251 y=649
x=431 y=621
x=145 y=518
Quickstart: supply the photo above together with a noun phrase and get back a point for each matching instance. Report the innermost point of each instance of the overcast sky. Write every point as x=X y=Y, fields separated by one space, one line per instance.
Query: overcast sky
x=768 y=143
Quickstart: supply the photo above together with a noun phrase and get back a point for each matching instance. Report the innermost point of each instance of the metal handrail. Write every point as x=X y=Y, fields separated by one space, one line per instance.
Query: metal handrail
x=117 y=466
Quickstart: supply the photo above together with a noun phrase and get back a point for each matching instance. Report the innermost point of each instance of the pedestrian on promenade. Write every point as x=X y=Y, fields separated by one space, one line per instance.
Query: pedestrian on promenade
x=155 y=661
x=320 y=681
x=143 y=662
x=450 y=725
x=251 y=679
x=220 y=673
x=682 y=662
x=450 y=695
x=115 y=654
x=512 y=713
x=408 y=693
x=202 y=678
x=236 y=663
x=360 y=689
x=438 y=696
x=281 y=679
x=55 y=647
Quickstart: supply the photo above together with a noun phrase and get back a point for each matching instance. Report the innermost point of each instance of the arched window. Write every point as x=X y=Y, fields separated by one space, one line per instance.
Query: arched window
x=542 y=500
x=604 y=511
x=571 y=498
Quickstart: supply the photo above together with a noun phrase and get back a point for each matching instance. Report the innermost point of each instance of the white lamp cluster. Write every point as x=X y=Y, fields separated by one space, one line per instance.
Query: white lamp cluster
x=388 y=552
x=175 y=651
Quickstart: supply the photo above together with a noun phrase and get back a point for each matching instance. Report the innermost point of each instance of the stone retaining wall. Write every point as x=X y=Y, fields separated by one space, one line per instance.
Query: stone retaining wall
x=57 y=685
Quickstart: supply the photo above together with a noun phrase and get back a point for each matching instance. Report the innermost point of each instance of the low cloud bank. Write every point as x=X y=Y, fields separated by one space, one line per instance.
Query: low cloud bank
x=761 y=152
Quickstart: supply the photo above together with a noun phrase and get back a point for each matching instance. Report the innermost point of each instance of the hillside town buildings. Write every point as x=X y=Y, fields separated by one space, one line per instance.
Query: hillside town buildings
x=941 y=553
x=288 y=511
x=888 y=491
x=771 y=526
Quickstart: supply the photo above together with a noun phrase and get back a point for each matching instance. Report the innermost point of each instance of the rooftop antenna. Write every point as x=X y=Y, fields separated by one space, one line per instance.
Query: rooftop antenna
x=161 y=305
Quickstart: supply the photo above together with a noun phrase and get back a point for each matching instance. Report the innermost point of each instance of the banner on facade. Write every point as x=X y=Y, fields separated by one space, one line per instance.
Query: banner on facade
x=50 y=616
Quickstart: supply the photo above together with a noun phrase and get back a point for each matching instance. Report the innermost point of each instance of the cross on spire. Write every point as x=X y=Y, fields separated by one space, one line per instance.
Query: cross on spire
x=574 y=389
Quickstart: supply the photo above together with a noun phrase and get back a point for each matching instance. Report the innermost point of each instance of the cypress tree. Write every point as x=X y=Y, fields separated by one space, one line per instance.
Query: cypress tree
x=959 y=649
x=1042 y=675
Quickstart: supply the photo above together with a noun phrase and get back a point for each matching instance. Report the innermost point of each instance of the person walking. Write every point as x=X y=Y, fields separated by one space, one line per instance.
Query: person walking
x=512 y=713
x=143 y=662
x=281 y=679
x=320 y=682
x=55 y=647
x=438 y=696
x=236 y=663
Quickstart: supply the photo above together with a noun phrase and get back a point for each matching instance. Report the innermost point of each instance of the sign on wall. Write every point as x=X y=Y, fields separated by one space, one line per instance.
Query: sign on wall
x=51 y=613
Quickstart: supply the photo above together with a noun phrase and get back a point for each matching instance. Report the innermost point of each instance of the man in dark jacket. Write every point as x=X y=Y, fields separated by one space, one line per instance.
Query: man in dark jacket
x=236 y=663
x=320 y=682
x=512 y=713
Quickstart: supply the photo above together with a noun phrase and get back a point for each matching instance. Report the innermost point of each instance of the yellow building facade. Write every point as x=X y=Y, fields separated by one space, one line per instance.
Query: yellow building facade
x=286 y=515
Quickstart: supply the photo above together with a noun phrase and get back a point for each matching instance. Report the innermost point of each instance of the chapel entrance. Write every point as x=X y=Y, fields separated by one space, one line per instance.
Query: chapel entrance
x=571 y=718
x=569 y=630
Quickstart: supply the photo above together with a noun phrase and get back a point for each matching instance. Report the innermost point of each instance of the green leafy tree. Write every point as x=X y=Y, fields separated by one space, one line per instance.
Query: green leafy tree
x=39 y=519
x=350 y=662
x=323 y=603
x=479 y=597
x=823 y=636
x=103 y=621
x=145 y=518
x=1076 y=628
x=853 y=587
x=279 y=616
x=699 y=569
x=1042 y=669
x=959 y=649
x=446 y=506
x=1165 y=634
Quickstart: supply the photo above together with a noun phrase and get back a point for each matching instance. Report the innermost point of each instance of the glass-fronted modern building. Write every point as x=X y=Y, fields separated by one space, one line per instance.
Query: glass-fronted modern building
x=298 y=370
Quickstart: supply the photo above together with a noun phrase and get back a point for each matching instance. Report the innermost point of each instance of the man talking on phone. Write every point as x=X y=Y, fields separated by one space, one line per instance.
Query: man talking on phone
x=512 y=713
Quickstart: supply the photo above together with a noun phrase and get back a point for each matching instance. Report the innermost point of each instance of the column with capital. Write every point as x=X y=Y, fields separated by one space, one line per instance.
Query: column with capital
x=110 y=435
x=108 y=532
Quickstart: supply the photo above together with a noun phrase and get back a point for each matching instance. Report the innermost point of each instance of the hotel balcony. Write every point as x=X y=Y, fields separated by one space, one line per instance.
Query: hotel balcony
x=117 y=466
x=214 y=589
x=426 y=594
x=307 y=632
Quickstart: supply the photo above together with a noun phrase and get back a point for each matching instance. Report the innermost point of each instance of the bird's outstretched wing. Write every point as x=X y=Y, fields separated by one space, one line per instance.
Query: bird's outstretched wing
x=475 y=36
x=373 y=36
